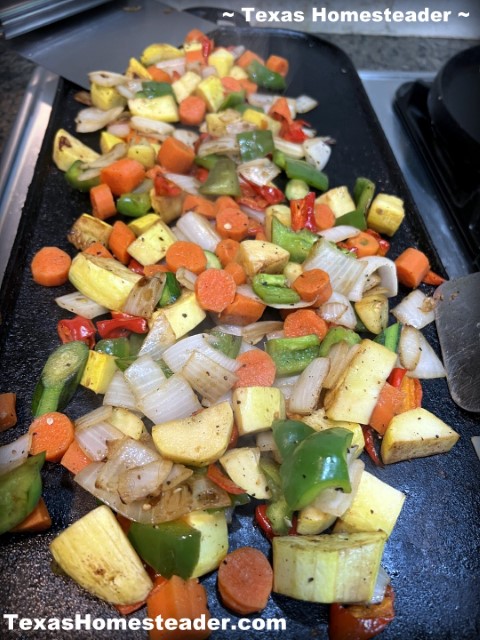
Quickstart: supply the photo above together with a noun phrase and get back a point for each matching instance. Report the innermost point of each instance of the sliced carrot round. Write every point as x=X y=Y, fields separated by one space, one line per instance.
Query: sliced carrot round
x=245 y=580
x=313 y=286
x=186 y=254
x=50 y=266
x=232 y=223
x=237 y=272
x=215 y=289
x=227 y=251
x=53 y=432
x=258 y=369
x=304 y=322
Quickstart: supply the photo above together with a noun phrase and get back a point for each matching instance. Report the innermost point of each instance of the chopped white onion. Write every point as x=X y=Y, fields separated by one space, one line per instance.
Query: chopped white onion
x=387 y=271
x=144 y=481
x=409 y=348
x=208 y=71
x=144 y=376
x=415 y=310
x=144 y=296
x=198 y=230
x=187 y=137
x=340 y=356
x=262 y=100
x=336 y=501
x=100 y=414
x=340 y=233
x=226 y=145
x=14 y=454
x=189 y=184
x=119 y=129
x=127 y=454
x=345 y=271
x=306 y=392
x=305 y=103
x=338 y=310
x=178 y=234
x=207 y=377
x=383 y=580
x=92 y=119
x=186 y=278
x=79 y=304
x=175 y=399
x=160 y=337
x=257 y=215
x=260 y=171
x=94 y=440
x=237 y=51
x=119 y=393
x=177 y=355
x=116 y=152
x=429 y=364
x=107 y=78
x=317 y=152
x=291 y=149
x=173 y=64
x=256 y=331
x=153 y=128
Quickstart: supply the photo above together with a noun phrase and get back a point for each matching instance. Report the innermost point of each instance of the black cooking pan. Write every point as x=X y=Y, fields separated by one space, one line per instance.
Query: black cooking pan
x=454 y=106
x=433 y=554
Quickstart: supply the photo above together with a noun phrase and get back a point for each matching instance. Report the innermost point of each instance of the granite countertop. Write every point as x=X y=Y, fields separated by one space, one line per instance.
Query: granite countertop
x=367 y=52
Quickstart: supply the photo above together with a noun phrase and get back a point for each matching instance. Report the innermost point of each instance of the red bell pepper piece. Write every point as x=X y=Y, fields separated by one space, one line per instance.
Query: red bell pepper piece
x=234 y=437
x=361 y=622
x=165 y=187
x=370 y=445
x=293 y=131
x=221 y=480
x=207 y=47
x=269 y=193
x=384 y=245
x=77 y=328
x=135 y=266
x=121 y=325
x=303 y=213
x=396 y=376
x=265 y=525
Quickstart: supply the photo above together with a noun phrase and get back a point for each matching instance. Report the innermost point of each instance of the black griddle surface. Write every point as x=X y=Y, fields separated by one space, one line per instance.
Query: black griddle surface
x=433 y=554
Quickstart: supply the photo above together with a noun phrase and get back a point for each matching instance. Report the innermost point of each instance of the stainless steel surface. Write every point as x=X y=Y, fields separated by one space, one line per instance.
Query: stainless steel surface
x=17 y=18
x=381 y=87
x=457 y=316
x=20 y=156
x=74 y=47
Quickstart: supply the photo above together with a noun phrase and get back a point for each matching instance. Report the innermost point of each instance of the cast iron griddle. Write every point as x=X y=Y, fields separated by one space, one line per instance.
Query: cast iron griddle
x=433 y=553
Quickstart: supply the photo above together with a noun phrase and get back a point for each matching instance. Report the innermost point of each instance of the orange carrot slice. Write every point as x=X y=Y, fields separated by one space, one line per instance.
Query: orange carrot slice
x=50 y=267
x=304 y=322
x=215 y=289
x=186 y=254
x=258 y=369
x=53 y=432
x=245 y=580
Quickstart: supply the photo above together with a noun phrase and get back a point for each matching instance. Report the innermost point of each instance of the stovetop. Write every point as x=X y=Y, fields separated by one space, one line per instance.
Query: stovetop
x=18 y=163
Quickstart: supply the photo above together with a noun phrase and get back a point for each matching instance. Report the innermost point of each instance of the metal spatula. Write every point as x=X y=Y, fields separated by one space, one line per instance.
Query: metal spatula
x=457 y=316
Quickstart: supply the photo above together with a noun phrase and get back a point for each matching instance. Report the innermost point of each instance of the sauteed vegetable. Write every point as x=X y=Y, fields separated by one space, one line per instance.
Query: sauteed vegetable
x=233 y=224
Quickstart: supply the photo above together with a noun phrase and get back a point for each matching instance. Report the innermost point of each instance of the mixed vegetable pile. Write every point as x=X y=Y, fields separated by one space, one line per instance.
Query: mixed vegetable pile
x=301 y=372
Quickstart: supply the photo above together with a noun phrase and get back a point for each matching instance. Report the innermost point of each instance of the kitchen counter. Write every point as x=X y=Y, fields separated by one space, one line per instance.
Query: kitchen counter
x=367 y=52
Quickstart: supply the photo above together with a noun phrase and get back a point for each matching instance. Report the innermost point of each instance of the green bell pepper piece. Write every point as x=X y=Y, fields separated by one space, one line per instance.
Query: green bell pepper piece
x=255 y=144
x=20 y=491
x=227 y=343
x=74 y=177
x=297 y=243
x=363 y=195
x=279 y=158
x=278 y=512
x=169 y=548
x=292 y=355
x=59 y=378
x=390 y=337
x=262 y=76
x=273 y=289
x=208 y=162
x=302 y=170
x=244 y=106
x=171 y=290
x=334 y=335
x=233 y=99
x=317 y=463
x=153 y=89
x=222 y=179
x=134 y=205
x=288 y=434
x=119 y=348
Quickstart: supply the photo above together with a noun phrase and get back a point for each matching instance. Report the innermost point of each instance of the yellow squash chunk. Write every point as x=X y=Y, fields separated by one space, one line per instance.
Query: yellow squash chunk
x=211 y=90
x=386 y=214
x=104 y=280
x=169 y=208
x=222 y=60
x=242 y=465
x=140 y=225
x=262 y=121
x=86 y=230
x=184 y=314
x=328 y=568
x=137 y=71
x=373 y=312
x=311 y=521
x=143 y=153
x=375 y=507
x=127 y=422
x=355 y=395
x=97 y=554
x=339 y=200
x=108 y=141
x=415 y=434
x=159 y=51
x=213 y=539
x=255 y=408
x=259 y=256
x=238 y=73
x=106 y=98
x=319 y=421
x=67 y=149
x=186 y=85
x=151 y=246
x=163 y=108
x=197 y=440
x=98 y=372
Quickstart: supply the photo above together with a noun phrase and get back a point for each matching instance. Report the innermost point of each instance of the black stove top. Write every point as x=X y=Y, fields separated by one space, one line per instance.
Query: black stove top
x=456 y=180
